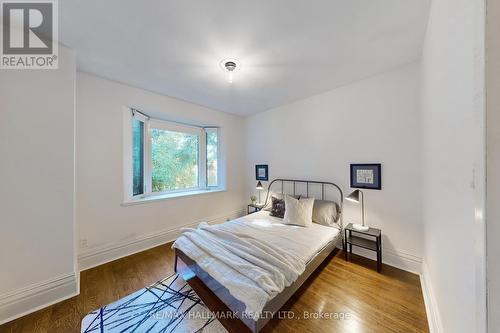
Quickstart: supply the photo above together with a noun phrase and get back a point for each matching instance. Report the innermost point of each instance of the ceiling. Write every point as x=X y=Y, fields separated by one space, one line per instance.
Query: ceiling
x=288 y=50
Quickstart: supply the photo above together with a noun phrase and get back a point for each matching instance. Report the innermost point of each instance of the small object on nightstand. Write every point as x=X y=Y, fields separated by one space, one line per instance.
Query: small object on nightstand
x=255 y=207
x=355 y=239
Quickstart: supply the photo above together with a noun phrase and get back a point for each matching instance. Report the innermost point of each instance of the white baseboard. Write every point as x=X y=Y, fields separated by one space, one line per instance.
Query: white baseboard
x=37 y=296
x=398 y=259
x=98 y=256
x=431 y=308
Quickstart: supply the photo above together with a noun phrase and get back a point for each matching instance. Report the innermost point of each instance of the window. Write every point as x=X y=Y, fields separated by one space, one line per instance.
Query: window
x=138 y=157
x=174 y=160
x=212 y=152
x=168 y=157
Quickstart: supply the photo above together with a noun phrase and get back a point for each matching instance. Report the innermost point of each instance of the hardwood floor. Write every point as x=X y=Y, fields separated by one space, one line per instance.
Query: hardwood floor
x=390 y=301
x=370 y=302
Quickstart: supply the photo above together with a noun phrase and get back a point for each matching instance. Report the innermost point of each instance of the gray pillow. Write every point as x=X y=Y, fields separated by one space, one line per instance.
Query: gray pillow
x=326 y=213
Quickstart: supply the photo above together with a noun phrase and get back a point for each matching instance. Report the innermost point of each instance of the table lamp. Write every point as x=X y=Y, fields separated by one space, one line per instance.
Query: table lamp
x=357 y=196
x=259 y=187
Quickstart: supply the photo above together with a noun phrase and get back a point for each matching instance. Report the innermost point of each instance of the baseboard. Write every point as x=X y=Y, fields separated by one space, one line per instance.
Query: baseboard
x=431 y=308
x=98 y=256
x=398 y=259
x=37 y=296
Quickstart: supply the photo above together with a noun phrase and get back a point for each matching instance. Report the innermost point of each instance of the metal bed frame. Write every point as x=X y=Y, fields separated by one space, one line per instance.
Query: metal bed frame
x=307 y=182
x=207 y=287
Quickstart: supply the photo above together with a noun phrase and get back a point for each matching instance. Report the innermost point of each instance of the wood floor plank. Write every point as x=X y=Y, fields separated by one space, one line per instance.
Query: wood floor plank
x=390 y=301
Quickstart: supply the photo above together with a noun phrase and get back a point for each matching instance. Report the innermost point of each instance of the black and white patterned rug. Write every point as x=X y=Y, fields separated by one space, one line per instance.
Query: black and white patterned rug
x=167 y=306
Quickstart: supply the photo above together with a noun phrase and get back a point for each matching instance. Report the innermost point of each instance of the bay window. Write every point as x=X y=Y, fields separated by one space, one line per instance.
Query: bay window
x=169 y=158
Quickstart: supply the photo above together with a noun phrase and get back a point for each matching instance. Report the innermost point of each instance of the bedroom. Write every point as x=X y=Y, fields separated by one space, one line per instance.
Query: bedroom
x=142 y=120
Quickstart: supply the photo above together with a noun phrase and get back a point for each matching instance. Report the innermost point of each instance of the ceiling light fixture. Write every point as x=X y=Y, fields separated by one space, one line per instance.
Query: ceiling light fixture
x=230 y=66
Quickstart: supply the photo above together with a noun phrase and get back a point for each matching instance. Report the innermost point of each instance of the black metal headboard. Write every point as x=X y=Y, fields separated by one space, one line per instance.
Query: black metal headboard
x=295 y=182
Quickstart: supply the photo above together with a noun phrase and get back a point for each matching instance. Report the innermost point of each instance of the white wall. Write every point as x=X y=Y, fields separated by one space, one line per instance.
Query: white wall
x=37 y=116
x=493 y=162
x=110 y=229
x=373 y=120
x=453 y=164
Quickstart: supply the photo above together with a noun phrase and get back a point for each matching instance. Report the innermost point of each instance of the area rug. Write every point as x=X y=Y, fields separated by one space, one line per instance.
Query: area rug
x=167 y=306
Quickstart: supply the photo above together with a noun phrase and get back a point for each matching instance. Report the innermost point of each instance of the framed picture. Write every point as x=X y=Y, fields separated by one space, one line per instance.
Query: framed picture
x=262 y=172
x=367 y=176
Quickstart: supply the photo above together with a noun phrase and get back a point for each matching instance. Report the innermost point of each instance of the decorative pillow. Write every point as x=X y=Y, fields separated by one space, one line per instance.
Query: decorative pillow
x=278 y=207
x=325 y=213
x=298 y=212
x=280 y=196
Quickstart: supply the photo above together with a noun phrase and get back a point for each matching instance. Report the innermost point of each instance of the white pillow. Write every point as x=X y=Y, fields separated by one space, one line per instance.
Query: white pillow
x=298 y=212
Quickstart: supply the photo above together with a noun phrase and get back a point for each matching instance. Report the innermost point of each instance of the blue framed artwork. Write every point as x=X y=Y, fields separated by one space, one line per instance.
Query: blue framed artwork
x=262 y=172
x=366 y=176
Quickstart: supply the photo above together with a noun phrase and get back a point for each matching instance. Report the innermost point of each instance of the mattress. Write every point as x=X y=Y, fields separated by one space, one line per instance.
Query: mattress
x=304 y=242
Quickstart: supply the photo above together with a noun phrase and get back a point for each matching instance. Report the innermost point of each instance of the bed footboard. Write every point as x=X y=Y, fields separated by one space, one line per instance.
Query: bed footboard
x=218 y=299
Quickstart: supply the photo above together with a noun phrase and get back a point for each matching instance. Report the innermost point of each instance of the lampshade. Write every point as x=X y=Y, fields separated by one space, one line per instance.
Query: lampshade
x=259 y=186
x=354 y=196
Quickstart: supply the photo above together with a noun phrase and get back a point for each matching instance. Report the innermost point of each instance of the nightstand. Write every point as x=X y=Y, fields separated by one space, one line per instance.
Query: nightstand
x=370 y=240
x=255 y=208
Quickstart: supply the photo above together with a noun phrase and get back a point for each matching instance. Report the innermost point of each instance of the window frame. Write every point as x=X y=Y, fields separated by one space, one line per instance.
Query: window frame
x=149 y=124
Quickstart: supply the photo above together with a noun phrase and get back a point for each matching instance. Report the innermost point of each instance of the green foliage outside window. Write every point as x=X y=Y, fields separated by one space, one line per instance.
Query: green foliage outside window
x=212 y=147
x=174 y=160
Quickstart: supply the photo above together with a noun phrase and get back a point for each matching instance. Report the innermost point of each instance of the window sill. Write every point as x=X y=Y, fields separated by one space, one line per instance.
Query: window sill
x=169 y=196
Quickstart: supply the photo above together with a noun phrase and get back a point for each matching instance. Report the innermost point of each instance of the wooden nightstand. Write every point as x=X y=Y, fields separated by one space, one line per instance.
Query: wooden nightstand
x=366 y=242
x=255 y=207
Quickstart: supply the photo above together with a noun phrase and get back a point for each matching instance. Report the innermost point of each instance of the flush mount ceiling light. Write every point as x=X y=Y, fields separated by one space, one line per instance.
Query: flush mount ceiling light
x=230 y=66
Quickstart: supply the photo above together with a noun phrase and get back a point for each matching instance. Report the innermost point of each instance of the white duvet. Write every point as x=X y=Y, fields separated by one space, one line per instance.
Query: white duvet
x=255 y=257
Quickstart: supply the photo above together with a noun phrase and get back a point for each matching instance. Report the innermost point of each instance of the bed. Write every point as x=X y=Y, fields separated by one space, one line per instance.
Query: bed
x=311 y=245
